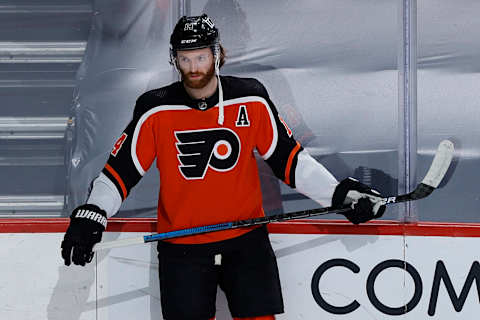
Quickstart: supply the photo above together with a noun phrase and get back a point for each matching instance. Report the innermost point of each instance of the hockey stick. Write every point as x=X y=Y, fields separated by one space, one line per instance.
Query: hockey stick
x=434 y=176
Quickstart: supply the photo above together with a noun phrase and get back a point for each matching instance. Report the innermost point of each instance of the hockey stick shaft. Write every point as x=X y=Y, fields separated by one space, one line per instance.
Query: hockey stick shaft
x=435 y=174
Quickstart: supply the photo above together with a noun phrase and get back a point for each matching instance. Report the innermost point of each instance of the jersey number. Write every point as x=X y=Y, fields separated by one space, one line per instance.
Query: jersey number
x=289 y=132
x=118 y=144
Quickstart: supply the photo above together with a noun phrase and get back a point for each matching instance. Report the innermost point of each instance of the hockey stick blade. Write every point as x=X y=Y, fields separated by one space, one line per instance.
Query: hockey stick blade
x=440 y=164
x=439 y=167
x=434 y=176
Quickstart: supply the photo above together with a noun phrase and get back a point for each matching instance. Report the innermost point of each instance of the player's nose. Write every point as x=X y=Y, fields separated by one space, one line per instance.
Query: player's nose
x=193 y=67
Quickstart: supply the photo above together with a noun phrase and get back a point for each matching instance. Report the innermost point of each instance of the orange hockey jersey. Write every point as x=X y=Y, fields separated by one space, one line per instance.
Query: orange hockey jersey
x=208 y=172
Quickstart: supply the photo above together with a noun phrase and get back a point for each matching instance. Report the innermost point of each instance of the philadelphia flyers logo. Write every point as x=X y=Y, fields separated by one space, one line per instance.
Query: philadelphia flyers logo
x=199 y=150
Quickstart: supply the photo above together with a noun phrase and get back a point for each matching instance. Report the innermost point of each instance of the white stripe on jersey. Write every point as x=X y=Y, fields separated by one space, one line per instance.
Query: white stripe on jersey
x=273 y=144
x=139 y=126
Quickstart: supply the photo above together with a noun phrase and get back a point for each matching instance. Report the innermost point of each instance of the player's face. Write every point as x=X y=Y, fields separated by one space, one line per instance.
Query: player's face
x=196 y=66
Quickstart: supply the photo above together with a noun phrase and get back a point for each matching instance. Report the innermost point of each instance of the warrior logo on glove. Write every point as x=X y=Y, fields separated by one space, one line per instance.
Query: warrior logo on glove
x=198 y=150
x=92 y=215
x=87 y=223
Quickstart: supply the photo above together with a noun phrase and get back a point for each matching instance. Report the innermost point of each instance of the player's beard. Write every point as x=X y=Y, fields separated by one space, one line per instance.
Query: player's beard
x=199 y=82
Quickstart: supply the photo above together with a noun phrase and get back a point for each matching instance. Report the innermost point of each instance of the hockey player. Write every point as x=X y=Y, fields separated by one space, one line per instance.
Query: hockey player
x=202 y=133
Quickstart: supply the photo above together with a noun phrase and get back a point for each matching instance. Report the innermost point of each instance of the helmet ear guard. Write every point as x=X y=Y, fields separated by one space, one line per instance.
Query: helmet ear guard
x=173 y=57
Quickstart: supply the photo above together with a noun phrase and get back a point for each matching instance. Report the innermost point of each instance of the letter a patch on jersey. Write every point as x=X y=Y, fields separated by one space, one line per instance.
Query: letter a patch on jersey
x=242 y=117
x=199 y=150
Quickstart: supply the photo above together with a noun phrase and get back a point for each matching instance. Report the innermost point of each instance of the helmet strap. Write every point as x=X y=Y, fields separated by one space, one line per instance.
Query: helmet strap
x=221 y=115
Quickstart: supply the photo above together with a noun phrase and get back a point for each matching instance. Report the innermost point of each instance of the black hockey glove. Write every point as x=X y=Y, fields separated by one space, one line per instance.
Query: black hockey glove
x=366 y=203
x=87 y=224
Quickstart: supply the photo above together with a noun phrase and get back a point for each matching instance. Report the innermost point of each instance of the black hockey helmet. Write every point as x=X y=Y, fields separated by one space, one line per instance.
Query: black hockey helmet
x=193 y=33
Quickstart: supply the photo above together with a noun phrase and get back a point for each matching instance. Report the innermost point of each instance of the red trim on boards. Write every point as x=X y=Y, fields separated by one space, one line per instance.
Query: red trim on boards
x=382 y=227
x=48 y=225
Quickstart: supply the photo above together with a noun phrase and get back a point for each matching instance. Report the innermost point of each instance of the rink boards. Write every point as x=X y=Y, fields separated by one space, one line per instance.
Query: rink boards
x=329 y=270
